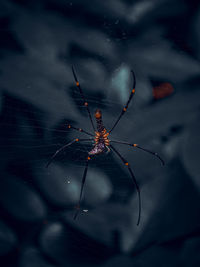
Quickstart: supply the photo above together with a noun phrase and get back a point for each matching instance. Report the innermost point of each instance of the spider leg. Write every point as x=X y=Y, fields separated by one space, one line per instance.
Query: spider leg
x=82 y=186
x=83 y=97
x=134 y=180
x=63 y=148
x=139 y=147
x=69 y=126
x=127 y=104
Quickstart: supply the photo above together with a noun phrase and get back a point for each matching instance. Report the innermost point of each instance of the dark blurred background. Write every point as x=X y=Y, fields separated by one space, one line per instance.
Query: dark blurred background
x=104 y=40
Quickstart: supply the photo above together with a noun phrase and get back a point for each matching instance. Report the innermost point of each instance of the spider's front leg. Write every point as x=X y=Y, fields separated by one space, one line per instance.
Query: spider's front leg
x=83 y=97
x=128 y=102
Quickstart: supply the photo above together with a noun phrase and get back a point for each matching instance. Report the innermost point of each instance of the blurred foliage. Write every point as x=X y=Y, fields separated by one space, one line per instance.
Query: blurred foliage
x=104 y=40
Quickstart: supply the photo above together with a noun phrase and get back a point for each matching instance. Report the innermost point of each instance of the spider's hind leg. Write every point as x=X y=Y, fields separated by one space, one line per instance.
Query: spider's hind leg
x=63 y=148
x=82 y=186
x=108 y=149
x=134 y=180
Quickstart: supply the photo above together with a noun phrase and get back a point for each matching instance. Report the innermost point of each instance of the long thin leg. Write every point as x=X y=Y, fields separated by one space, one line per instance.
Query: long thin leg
x=82 y=95
x=82 y=186
x=78 y=129
x=129 y=100
x=137 y=146
x=63 y=148
x=134 y=180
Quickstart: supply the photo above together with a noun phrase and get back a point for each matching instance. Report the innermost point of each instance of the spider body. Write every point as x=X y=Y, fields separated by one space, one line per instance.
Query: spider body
x=101 y=141
x=102 y=144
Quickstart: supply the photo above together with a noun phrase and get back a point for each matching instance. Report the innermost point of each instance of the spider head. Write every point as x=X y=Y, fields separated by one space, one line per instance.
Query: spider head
x=98 y=114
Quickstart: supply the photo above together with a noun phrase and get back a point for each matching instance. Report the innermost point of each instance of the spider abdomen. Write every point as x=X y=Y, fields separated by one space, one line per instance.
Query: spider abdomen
x=101 y=142
x=98 y=149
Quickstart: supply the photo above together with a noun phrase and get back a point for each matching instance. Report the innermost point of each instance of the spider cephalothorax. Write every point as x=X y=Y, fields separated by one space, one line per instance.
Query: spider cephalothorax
x=102 y=143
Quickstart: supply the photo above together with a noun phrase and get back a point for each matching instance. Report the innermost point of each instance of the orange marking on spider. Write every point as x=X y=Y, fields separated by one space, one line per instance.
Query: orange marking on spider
x=76 y=139
x=126 y=163
x=133 y=91
x=77 y=83
x=124 y=109
x=86 y=104
x=135 y=144
x=98 y=114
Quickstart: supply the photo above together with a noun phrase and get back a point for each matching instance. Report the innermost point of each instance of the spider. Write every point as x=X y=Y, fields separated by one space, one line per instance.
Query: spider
x=101 y=142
